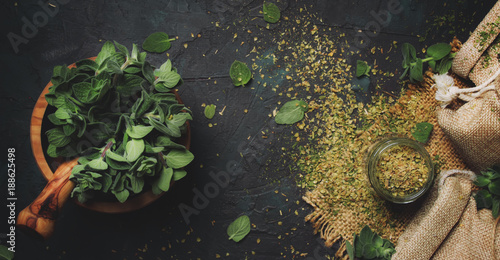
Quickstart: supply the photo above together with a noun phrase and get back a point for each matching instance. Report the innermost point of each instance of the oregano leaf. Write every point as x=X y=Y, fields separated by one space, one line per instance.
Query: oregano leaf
x=179 y=174
x=482 y=181
x=98 y=164
x=291 y=112
x=6 y=253
x=139 y=131
x=239 y=228
x=178 y=158
x=422 y=131
x=122 y=195
x=240 y=73
x=107 y=50
x=439 y=50
x=271 y=12
x=362 y=69
x=57 y=138
x=210 y=111
x=157 y=42
x=165 y=179
x=134 y=149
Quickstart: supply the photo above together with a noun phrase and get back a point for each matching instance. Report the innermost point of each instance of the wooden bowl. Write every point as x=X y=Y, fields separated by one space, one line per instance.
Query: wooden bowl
x=57 y=171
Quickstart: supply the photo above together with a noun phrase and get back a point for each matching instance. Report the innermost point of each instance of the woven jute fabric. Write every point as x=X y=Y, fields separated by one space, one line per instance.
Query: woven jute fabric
x=470 y=61
x=487 y=65
x=448 y=226
x=475 y=129
x=334 y=222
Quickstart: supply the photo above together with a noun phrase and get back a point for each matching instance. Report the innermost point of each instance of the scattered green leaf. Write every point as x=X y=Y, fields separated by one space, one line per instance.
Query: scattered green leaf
x=239 y=229
x=291 y=112
x=240 y=73
x=271 y=12
x=210 y=111
x=362 y=69
x=422 y=131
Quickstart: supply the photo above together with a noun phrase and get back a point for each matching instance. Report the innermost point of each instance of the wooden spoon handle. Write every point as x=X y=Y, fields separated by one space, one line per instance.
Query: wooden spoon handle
x=40 y=216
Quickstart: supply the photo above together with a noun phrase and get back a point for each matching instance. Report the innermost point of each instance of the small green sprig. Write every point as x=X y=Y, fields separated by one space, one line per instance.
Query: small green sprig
x=489 y=196
x=369 y=245
x=438 y=56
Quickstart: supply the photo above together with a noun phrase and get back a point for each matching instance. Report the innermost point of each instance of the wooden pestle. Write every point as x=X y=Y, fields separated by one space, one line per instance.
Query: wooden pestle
x=40 y=216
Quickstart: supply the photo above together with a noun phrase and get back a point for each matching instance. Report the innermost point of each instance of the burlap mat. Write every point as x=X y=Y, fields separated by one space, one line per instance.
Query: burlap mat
x=334 y=222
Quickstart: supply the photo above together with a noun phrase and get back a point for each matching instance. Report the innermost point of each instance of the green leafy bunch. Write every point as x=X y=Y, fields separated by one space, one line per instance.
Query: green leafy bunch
x=369 y=245
x=489 y=196
x=120 y=116
x=438 y=56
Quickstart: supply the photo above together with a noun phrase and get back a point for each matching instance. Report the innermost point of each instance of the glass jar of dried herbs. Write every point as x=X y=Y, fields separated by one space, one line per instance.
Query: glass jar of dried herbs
x=399 y=169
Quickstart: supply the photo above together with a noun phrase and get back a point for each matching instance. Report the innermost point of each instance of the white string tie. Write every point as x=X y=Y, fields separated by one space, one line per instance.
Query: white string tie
x=446 y=91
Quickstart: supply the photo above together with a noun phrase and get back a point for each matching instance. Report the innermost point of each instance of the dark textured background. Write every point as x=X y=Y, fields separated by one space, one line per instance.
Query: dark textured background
x=264 y=187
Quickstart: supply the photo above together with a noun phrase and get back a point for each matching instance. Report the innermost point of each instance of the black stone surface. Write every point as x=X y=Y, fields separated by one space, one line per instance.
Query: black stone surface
x=262 y=184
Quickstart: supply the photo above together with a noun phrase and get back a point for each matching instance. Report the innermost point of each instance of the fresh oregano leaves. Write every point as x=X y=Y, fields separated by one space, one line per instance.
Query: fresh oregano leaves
x=240 y=73
x=157 y=42
x=369 y=245
x=439 y=58
x=422 y=131
x=210 y=111
x=271 y=12
x=291 y=112
x=239 y=228
x=120 y=120
x=489 y=196
x=362 y=69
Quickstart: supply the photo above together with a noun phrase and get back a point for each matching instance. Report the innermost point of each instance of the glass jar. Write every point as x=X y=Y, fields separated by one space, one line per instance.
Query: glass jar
x=399 y=169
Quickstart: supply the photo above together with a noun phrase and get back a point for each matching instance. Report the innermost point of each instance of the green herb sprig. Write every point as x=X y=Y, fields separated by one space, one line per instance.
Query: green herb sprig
x=119 y=115
x=438 y=56
x=489 y=196
x=369 y=245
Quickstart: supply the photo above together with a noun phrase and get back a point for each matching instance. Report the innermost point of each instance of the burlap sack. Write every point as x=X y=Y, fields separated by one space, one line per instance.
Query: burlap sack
x=448 y=226
x=474 y=129
x=478 y=57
